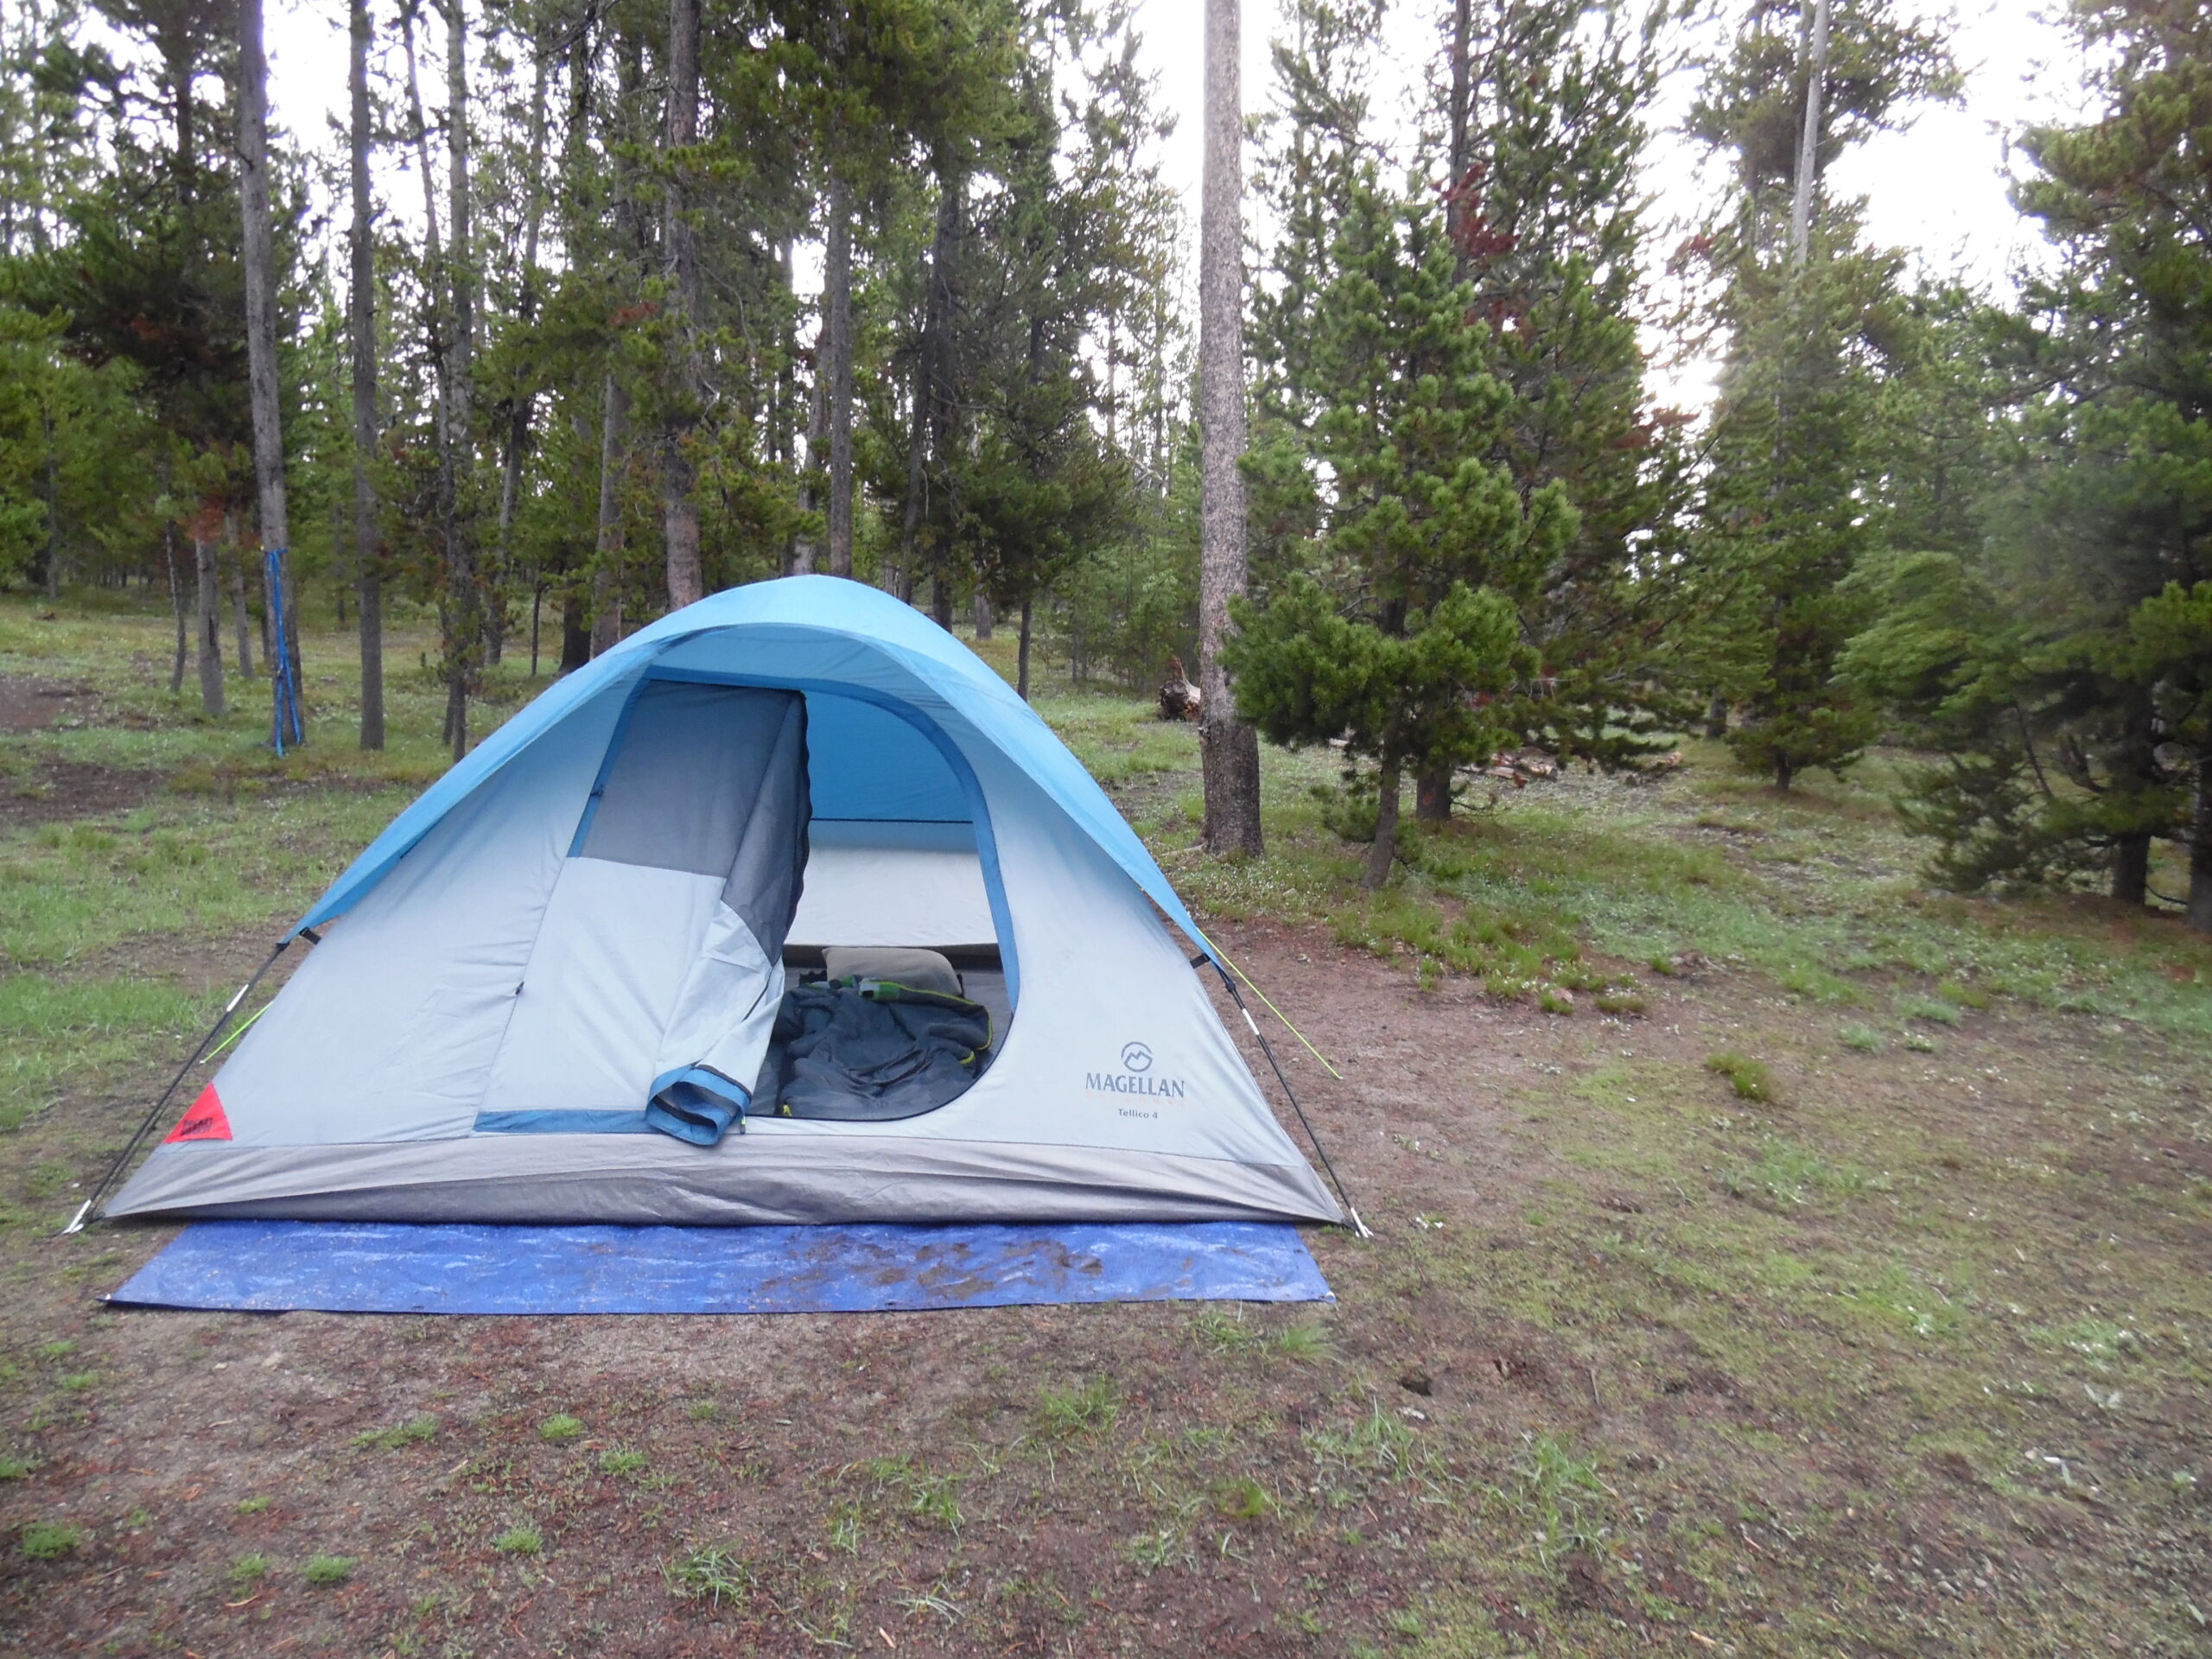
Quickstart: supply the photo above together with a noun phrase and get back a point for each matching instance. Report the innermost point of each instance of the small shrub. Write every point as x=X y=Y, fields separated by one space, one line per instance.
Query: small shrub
x=49 y=1541
x=16 y=1468
x=248 y=1569
x=560 y=1426
x=328 y=1569
x=519 y=1541
x=1748 y=1078
x=1864 y=1039
x=1620 y=1002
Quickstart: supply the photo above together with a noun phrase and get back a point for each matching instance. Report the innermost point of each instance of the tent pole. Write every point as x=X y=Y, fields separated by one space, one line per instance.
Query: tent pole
x=1267 y=1049
x=122 y=1159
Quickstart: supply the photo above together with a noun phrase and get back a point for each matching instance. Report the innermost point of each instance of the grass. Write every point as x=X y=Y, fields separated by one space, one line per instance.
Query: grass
x=49 y=1541
x=1699 y=1363
x=716 y=1573
x=413 y=1432
x=326 y=1570
x=1749 y=1079
x=1085 y=1408
x=247 y=1571
x=520 y=1540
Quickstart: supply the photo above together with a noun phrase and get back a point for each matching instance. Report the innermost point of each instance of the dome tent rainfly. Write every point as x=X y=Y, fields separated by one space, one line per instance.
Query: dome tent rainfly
x=596 y=909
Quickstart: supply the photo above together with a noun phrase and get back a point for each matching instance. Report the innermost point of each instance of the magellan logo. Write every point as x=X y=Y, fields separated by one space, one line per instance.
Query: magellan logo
x=1134 y=1078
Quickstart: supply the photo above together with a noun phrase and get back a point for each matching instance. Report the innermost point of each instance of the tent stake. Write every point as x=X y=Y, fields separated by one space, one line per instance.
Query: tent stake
x=77 y=1221
x=1267 y=1049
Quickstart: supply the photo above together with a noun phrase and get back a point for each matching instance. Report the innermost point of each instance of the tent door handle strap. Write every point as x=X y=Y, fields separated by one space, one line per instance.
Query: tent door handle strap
x=1290 y=1094
x=153 y=1115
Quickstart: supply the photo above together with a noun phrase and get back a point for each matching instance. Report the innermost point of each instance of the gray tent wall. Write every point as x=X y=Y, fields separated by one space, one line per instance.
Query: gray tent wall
x=504 y=965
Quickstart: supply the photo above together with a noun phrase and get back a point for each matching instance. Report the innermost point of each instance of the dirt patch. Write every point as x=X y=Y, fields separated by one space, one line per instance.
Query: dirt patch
x=54 y=790
x=1552 y=1410
x=34 y=705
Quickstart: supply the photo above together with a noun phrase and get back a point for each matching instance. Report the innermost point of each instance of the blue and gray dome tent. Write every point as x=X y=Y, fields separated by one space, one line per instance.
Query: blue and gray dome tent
x=595 y=912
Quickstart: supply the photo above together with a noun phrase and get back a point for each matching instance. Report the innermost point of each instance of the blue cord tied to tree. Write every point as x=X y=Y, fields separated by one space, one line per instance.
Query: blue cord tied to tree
x=285 y=717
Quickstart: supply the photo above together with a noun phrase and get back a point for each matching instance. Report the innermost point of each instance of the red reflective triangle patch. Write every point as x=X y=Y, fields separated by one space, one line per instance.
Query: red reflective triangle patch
x=205 y=1122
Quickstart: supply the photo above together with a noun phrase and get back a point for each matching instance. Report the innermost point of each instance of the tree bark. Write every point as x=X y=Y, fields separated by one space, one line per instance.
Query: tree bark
x=208 y=626
x=837 y=340
x=2131 y=870
x=236 y=564
x=465 y=611
x=522 y=401
x=1228 y=749
x=605 y=583
x=680 y=505
x=177 y=604
x=2200 y=848
x=1433 y=796
x=941 y=597
x=1814 y=52
x=1384 y=852
x=984 y=617
x=259 y=258
x=361 y=323
x=1021 y=673
x=910 y=518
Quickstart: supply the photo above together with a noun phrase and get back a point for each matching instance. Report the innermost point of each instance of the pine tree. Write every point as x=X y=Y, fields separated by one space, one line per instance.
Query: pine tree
x=1806 y=307
x=1429 y=545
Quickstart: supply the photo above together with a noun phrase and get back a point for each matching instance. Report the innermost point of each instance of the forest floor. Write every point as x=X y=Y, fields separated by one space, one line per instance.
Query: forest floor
x=1826 y=1274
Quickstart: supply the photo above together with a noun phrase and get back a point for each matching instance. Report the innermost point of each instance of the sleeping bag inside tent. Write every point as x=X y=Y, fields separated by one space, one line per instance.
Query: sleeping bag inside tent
x=786 y=909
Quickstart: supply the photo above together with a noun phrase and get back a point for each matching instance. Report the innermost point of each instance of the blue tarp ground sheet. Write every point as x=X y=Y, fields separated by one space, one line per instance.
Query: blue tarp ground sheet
x=396 y=1267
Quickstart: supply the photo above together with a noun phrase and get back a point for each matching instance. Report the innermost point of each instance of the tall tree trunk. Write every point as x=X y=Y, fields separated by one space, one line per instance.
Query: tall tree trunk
x=209 y=624
x=837 y=340
x=1385 y=848
x=680 y=504
x=2131 y=870
x=605 y=580
x=984 y=618
x=463 y=598
x=177 y=604
x=782 y=429
x=910 y=518
x=522 y=401
x=1228 y=749
x=941 y=597
x=260 y=263
x=1812 y=54
x=51 y=558
x=361 y=324
x=575 y=633
x=1433 y=796
x=1021 y=671
x=2200 y=847
x=805 y=547
x=235 y=564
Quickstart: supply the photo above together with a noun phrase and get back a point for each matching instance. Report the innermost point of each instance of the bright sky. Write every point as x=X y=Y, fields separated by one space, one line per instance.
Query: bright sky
x=1938 y=188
